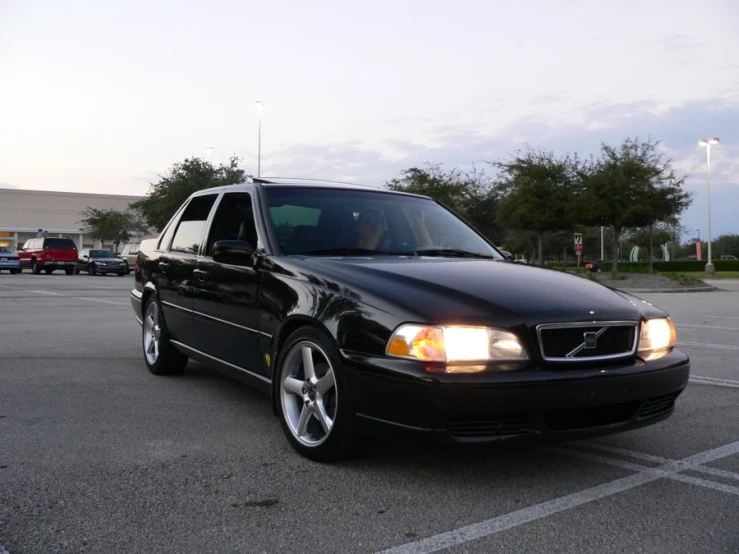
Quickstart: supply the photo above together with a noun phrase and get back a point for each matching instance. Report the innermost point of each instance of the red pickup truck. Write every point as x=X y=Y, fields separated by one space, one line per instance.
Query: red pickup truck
x=48 y=254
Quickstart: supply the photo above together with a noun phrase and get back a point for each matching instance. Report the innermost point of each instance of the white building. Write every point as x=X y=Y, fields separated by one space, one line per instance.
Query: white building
x=25 y=214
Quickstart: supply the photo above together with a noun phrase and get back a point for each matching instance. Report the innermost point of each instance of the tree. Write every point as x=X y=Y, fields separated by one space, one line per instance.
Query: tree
x=535 y=191
x=169 y=193
x=469 y=194
x=630 y=185
x=111 y=225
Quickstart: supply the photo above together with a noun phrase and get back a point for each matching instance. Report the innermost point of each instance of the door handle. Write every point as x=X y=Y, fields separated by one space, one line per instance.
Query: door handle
x=163 y=266
x=200 y=274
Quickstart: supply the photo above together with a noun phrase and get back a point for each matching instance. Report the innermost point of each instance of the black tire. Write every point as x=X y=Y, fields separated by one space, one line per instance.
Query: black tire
x=342 y=441
x=91 y=270
x=122 y=274
x=69 y=270
x=168 y=360
x=76 y=270
x=35 y=269
x=13 y=271
x=49 y=271
x=20 y=270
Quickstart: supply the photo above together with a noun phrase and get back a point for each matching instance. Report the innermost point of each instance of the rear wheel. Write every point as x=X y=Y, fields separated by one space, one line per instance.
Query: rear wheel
x=161 y=357
x=69 y=270
x=315 y=407
x=13 y=271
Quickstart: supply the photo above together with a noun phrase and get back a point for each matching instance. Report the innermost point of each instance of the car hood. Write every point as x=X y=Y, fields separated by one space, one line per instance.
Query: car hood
x=474 y=290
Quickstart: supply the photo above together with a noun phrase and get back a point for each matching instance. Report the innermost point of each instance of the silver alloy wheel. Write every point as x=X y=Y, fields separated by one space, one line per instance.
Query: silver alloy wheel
x=308 y=393
x=152 y=333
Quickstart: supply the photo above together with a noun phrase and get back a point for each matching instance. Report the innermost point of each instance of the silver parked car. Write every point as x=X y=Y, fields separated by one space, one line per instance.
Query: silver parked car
x=129 y=254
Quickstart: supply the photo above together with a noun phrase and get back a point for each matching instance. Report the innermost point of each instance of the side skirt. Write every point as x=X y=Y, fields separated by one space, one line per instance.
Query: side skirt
x=235 y=372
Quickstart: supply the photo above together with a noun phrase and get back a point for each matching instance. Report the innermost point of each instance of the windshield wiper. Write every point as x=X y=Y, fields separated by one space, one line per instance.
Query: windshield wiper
x=352 y=252
x=451 y=252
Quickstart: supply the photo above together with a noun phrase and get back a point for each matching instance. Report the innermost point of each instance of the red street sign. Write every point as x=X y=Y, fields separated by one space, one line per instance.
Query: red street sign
x=578 y=248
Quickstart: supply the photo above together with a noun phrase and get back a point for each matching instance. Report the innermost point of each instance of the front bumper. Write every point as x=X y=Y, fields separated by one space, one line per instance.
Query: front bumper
x=516 y=406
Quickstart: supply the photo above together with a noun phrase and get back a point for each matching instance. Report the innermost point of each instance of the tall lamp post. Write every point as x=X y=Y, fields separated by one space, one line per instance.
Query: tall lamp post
x=260 y=107
x=710 y=268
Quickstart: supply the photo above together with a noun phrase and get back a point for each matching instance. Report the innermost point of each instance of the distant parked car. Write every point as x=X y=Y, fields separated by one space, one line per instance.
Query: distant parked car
x=596 y=265
x=9 y=260
x=129 y=254
x=728 y=257
x=47 y=254
x=95 y=262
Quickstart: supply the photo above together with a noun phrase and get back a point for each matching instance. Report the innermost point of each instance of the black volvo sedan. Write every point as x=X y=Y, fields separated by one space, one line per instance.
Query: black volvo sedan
x=365 y=311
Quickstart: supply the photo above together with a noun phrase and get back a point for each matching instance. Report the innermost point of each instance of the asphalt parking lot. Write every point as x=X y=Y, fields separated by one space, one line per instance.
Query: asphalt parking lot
x=98 y=455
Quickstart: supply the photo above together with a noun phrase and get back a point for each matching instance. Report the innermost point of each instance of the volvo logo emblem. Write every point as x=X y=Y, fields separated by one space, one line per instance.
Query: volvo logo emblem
x=590 y=340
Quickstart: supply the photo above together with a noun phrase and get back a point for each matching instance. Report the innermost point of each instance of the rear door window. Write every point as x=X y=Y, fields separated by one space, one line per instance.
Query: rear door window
x=190 y=228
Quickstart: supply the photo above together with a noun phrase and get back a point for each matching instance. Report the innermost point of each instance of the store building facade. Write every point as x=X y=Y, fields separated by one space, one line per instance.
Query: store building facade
x=26 y=214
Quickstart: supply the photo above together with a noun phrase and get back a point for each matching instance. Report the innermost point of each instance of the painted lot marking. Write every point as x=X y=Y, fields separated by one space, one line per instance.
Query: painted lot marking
x=87 y=298
x=708 y=326
x=700 y=380
x=653 y=458
x=706 y=345
x=645 y=475
x=724 y=316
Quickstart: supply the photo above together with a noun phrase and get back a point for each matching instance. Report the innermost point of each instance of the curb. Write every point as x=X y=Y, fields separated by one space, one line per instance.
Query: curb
x=687 y=289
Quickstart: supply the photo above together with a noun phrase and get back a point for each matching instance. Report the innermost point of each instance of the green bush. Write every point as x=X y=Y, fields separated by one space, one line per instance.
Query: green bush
x=694 y=265
x=672 y=267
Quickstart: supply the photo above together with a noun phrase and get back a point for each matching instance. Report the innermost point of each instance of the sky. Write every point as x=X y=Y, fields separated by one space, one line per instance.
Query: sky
x=105 y=97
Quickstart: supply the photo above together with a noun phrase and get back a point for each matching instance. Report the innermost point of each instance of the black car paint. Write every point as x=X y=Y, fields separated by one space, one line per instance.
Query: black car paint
x=236 y=318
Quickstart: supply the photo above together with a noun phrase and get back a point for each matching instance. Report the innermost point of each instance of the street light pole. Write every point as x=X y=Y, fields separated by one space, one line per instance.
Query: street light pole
x=710 y=268
x=260 y=107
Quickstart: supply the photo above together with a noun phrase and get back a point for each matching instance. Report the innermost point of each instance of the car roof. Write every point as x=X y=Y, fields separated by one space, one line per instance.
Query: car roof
x=304 y=182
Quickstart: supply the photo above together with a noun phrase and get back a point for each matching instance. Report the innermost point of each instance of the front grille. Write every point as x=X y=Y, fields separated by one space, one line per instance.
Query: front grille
x=576 y=342
x=659 y=405
x=490 y=428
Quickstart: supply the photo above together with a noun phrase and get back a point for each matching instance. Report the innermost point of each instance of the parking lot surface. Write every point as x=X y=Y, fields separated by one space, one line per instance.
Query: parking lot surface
x=98 y=455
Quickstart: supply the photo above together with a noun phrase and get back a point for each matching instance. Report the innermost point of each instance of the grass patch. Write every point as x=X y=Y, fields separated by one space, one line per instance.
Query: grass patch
x=683 y=278
x=701 y=274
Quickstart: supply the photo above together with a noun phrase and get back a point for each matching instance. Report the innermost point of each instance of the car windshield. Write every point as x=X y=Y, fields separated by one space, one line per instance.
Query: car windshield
x=102 y=254
x=330 y=221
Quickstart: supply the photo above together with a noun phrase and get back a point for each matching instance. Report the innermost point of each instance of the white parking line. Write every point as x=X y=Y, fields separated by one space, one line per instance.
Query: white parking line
x=636 y=467
x=539 y=511
x=708 y=326
x=706 y=345
x=651 y=458
x=724 y=316
x=715 y=382
x=87 y=298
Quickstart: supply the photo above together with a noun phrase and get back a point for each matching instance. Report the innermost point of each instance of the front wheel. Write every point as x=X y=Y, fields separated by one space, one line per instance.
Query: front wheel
x=69 y=270
x=92 y=270
x=13 y=271
x=35 y=269
x=315 y=407
x=161 y=357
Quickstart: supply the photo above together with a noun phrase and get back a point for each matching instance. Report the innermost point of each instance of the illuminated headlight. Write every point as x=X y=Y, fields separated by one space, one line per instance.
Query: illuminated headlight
x=455 y=344
x=657 y=335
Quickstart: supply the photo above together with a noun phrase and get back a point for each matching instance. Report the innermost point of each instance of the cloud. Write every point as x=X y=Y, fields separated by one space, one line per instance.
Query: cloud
x=678 y=128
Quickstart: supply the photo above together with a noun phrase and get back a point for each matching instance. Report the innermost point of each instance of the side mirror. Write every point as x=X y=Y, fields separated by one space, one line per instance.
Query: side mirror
x=234 y=252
